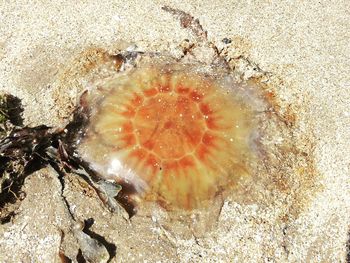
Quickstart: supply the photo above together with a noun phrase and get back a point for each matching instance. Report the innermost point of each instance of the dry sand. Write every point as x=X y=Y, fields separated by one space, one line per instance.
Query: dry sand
x=304 y=43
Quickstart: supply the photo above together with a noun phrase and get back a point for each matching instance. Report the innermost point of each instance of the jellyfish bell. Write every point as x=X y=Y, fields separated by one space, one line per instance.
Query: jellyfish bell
x=178 y=134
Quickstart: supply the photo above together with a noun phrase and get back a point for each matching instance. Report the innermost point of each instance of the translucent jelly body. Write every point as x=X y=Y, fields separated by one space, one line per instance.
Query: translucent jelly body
x=178 y=137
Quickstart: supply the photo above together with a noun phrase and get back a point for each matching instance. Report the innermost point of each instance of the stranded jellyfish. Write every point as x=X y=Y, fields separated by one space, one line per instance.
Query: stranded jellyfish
x=177 y=135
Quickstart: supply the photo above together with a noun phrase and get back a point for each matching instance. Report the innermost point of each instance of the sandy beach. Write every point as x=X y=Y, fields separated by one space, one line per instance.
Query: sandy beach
x=303 y=46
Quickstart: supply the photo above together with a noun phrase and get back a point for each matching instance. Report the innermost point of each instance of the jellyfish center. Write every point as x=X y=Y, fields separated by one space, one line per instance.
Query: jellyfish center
x=169 y=125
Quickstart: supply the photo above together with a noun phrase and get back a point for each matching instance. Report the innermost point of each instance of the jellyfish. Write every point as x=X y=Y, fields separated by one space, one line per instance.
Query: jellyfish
x=178 y=135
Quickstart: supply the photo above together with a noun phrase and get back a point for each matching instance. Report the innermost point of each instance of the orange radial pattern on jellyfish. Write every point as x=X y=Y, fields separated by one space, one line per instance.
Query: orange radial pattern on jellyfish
x=179 y=133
